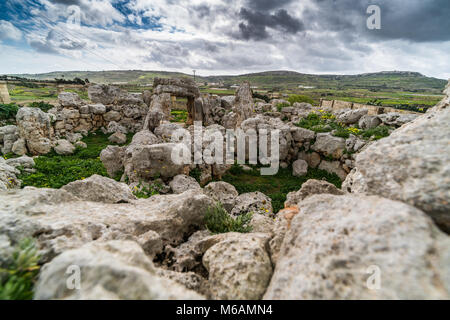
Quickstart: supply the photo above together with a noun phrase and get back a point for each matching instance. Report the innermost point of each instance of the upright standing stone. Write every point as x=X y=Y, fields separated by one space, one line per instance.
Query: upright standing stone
x=4 y=94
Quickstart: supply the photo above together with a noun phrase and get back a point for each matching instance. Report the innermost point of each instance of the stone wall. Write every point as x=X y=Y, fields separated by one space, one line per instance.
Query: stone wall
x=337 y=105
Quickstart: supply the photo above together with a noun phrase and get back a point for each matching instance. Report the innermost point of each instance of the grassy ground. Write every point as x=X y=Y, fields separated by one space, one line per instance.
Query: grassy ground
x=55 y=171
x=276 y=187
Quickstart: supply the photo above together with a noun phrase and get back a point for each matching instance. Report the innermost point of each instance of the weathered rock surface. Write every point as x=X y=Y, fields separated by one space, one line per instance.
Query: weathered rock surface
x=334 y=240
x=243 y=104
x=69 y=99
x=309 y=188
x=145 y=162
x=352 y=116
x=182 y=183
x=333 y=167
x=100 y=189
x=369 y=122
x=8 y=175
x=118 y=138
x=239 y=267
x=222 y=192
x=411 y=165
x=112 y=158
x=299 y=168
x=329 y=145
x=64 y=147
x=60 y=221
x=9 y=135
x=255 y=202
x=35 y=127
x=110 y=270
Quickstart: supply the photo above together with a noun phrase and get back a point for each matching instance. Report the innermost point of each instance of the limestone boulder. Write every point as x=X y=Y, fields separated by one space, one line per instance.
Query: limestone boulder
x=64 y=147
x=112 y=158
x=19 y=147
x=182 y=183
x=60 y=221
x=351 y=116
x=100 y=189
x=97 y=108
x=103 y=94
x=35 y=127
x=329 y=145
x=255 y=202
x=239 y=267
x=312 y=158
x=334 y=167
x=9 y=135
x=114 y=270
x=112 y=116
x=361 y=247
x=69 y=100
x=222 y=192
x=8 y=176
x=118 y=138
x=310 y=188
x=369 y=122
x=145 y=162
x=299 y=168
x=412 y=165
x=243 y=104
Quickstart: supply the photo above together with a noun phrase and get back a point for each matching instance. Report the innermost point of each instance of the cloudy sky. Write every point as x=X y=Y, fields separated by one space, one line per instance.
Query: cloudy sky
x=224 y=36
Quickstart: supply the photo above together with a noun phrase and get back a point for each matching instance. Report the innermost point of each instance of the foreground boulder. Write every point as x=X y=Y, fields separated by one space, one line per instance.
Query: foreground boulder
x=110 y=270
x=60 y=221
x=100 y=189
x=336 y=243
x=222 y=192
x=239 y=267
x=182 y=183
x=412 y=165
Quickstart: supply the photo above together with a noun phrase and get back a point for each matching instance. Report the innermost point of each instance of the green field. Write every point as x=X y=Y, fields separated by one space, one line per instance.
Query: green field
x=392 y=89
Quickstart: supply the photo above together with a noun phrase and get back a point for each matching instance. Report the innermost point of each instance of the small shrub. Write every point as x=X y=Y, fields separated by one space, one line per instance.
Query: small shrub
x=196 y=174
x=311 y=121
x=378 y=133
x=342 y=133
x=179 y=115
x=261 y=96
x=299 y=98
x=18 y=279
x=142 y=191
x=218 y=221
x=280 y=106
x=53 y=171
x=8 y=111
x=44 y=106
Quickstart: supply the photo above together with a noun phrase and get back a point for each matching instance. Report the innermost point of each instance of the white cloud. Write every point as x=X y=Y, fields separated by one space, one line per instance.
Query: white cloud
x=9 y=31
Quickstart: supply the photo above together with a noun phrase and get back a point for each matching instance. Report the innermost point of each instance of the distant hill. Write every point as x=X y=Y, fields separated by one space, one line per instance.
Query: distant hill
x=271 y=80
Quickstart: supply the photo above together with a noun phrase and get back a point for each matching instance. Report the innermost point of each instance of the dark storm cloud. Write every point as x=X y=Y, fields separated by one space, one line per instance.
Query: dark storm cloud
x=256 y=23
x=413 y=20
x=66 y=2
x=266 y=5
